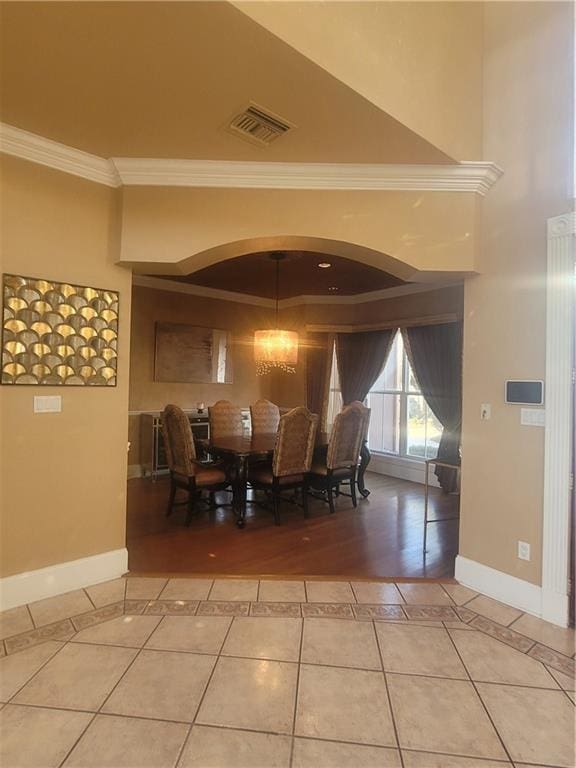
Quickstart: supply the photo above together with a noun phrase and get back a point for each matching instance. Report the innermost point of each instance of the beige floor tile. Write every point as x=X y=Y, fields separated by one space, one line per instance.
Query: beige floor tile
x=144 y=588
x=375 y=592
x=78 y=677
x=234 y=589
x=107 y=592
x=430 y=760
x=186 y=589
x=344 y=704
x=424 y=594
x=329 y=592
x=15 y=621
x=162 y=684
x=341 y=643
x=121 y=742
x=282 y=592
x=18 y=668
x=38 y=738
x=249 y=693
x=442 y=716
x=489 y=660
x=561 y=639
x=200 y=634
x=60 y=607
x=128 y=631
x=492 y=609
x=458 y=593
x=418 y=650
x=225 y=748
x=567 y=682
x=311 y=753
x=264 y=638
x=536 y=726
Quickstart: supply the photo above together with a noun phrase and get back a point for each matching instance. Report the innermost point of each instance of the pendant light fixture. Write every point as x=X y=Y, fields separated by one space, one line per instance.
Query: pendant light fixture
x=276 y=348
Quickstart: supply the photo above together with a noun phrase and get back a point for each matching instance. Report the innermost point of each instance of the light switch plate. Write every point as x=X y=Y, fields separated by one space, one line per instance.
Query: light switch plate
x=47 y=403
x=533 y=417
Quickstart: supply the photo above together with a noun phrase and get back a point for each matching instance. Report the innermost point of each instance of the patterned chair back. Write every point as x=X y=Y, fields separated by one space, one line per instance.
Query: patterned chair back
x=265 y=417
x=178 y=441
x=295 y=442
x=347 y=435
x=225 y=420
x=366 y=411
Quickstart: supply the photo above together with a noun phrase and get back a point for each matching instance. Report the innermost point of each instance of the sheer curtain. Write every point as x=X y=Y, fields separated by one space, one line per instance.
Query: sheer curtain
x=435 y=354
x=360 y=358
x=319 y=350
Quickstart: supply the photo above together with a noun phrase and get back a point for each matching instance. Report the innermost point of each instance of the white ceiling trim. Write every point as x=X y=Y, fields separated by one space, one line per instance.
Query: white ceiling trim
x=160 y=284
x=477 y=177
x=465 y=177
x=37 y=149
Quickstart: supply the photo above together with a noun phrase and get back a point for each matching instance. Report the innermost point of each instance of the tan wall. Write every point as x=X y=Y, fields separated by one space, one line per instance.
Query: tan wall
x=528 y=129
x=150 y=306
x=398 y=231
x=290 y=390
x=420 y=61
x=63 y=475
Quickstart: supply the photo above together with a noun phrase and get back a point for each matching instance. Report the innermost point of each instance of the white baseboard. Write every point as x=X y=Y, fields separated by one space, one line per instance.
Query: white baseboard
x=402 y=468
x=499 y=585
x=64 y=577
x=135 y=470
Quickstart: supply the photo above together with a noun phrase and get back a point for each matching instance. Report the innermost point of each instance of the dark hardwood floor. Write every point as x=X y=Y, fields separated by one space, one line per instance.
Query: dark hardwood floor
x=381 y=538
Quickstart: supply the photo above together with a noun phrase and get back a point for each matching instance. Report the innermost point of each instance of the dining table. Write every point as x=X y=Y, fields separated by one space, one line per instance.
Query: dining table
x=238 y=451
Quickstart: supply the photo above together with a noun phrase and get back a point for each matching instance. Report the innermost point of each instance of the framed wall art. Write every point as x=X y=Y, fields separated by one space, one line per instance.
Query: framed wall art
x=58 y=333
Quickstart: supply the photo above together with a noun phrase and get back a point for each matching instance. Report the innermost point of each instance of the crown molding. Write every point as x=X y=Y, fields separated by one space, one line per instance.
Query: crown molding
x=160 y=284
x=464 y=177
x=468 y=176
x=37 y=149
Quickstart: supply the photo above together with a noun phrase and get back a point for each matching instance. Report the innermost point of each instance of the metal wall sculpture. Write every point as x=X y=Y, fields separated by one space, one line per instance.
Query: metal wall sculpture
x=58 y=333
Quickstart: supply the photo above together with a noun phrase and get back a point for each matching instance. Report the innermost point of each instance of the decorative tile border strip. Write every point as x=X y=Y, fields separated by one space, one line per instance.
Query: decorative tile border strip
x=135 y=607
x=86 y=620
x=444 y=613
x=378 y=612
x=172 y=607
x=505 y=635
x=465 y=614
x=327 y=610
x=61 y=630
x=554 y=659
x=289 y=610
x=216 y=608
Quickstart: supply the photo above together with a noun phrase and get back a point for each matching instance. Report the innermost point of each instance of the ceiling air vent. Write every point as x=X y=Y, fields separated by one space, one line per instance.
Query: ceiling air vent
x=258 y=126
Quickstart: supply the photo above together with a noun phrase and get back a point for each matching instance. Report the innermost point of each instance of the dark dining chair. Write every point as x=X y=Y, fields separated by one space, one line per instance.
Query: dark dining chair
x=341 y=460
x=185 y=471
x=291 y=461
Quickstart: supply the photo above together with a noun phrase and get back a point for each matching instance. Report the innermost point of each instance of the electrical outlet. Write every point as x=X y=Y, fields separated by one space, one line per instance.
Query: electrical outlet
x=523 y=550
x=485 y=411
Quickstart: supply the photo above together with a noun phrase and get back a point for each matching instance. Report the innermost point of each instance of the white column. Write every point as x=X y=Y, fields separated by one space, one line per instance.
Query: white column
x=560 y=292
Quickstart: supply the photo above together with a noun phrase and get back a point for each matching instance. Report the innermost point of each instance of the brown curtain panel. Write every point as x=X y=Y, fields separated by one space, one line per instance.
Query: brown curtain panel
x=361 y=357
x=319 y=350
x=435 y=354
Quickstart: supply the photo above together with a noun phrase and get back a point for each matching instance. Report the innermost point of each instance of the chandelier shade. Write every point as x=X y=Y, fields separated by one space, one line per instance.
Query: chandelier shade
x=275 y=347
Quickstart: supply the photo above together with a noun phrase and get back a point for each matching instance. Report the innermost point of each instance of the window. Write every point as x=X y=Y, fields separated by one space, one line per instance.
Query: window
x=401 y=422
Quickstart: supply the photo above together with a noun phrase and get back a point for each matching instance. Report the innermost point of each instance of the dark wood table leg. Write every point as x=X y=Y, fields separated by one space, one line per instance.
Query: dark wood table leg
x=242 y=479
x=365 y=457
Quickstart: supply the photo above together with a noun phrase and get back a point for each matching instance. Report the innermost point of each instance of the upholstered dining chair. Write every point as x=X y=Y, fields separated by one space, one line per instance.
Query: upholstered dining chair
x=185 y=471
x=341 y=462
x=265 y=417
x=225 y=420
x=291 y=460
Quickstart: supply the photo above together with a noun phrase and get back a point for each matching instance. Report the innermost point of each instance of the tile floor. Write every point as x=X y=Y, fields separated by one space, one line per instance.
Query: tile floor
x=247 y=673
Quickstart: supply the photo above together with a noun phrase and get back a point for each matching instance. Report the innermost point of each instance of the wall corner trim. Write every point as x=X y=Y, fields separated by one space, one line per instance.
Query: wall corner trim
x=499 y=585
x=467 y=176
x=56 y=579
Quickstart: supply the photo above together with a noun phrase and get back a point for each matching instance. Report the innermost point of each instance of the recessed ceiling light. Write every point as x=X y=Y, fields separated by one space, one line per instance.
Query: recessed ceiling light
x=333 y=288
x=324 y=264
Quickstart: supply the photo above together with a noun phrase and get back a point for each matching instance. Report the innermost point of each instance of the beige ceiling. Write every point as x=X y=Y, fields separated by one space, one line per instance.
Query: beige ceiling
x=162 y=79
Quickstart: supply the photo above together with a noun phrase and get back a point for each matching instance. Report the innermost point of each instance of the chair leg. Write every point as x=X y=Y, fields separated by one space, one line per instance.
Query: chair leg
x=276 y=500
x=171 y=499
x=337 y=490
x=192 y=494
x=212 y=500
x=305 y=499
x=353 y=489
x=330 y=492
